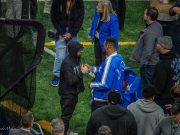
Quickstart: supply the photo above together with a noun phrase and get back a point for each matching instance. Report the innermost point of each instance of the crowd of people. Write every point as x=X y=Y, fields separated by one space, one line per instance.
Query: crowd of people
x=156 y=108
x=158 y=59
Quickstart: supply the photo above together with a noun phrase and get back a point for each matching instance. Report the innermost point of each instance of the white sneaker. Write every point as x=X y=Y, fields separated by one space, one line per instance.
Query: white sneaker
x=72 y=133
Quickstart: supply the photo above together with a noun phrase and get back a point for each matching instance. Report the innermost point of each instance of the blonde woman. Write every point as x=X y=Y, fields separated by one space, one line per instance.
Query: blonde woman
x=104 y=24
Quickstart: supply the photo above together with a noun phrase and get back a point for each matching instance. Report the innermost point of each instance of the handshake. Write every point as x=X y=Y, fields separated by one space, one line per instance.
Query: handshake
x=85 y=68
x=89 y=70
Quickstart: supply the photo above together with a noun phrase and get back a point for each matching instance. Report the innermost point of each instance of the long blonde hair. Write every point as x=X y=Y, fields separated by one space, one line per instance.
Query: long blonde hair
x=107 y=10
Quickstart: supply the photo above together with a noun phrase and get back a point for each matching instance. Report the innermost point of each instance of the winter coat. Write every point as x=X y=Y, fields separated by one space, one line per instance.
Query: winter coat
x=166 y=127
x=145 y=51
x=59 y=16
x=110 y=75
x=133 y=91
x=147 y=114
x=71 y=79
x=167 y=72
x=120 y=120
x=107 y=29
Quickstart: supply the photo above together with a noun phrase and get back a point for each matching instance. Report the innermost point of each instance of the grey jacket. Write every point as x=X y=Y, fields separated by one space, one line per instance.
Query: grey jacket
x=19 y=132
x=147 y=115
x=145 y=51
x=166 y=127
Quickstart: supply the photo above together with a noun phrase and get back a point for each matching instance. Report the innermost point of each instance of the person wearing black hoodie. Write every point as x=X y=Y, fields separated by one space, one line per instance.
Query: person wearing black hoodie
x=166 y=71
x=71 y=80
x=118 y=119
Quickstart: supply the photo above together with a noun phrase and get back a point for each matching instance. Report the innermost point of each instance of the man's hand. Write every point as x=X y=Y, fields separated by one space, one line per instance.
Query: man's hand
x=176 y=10
x=85 y=68
x=67 y=36
x=168 y=106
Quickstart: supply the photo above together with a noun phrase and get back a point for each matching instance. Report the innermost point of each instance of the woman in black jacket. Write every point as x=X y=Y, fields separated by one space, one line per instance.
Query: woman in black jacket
x=67 y=18
x=71 y=82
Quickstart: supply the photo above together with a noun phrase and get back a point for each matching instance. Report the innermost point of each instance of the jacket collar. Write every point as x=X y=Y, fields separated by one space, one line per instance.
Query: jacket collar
x=113 y=54
x=168 y=55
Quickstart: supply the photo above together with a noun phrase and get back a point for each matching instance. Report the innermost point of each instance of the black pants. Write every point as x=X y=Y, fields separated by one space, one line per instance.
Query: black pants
x=97 y=104
x=122 y=13
x=99 y=55
x=147 y=73
x=68 y=104
x=176 y=39
x=169 y=29
x=119 y=6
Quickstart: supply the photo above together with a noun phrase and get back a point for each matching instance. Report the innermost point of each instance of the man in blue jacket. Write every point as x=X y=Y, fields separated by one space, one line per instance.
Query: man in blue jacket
x=109 y=75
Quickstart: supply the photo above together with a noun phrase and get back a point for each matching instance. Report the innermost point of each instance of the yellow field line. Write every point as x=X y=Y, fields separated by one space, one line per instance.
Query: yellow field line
x=13 y=107
x=46 y=125
x=21 y=110
x=90 y=43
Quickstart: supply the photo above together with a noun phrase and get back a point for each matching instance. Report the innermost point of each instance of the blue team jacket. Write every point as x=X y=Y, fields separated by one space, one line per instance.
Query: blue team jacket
x=110 y=75
x=107 y=29
x=133 y=91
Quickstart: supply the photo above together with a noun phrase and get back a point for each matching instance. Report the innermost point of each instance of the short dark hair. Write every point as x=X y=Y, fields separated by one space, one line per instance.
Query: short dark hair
x=104 y=130
x=175 y=91
x=114 y=97
x=27 y=120
x=152 y=12
x=111 y=42
x=149 y=91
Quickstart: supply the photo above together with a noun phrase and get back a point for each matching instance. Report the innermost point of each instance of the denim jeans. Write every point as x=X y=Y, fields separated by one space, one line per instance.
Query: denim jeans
x=147 y=72
x=61 y=53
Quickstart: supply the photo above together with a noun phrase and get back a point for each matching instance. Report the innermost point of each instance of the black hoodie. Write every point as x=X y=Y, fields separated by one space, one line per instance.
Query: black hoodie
x=120 y=120
x=166 y=74
x=59 y=17
x=71 y=80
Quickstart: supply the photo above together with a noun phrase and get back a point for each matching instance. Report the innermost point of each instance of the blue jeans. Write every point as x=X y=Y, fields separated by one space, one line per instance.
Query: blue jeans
x=147 y=72
x=61 y=53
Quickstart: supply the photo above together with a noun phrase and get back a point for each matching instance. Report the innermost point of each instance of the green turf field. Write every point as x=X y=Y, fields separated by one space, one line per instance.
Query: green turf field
x=47 y=100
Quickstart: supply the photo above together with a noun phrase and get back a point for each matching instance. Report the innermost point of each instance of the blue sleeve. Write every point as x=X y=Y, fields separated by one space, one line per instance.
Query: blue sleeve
x=93 y=23
x=114 y=28
x=107 y=78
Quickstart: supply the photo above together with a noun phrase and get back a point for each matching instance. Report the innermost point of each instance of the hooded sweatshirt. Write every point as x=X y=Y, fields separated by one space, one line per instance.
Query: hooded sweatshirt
x=120 y=120
x=166 y=75
x=147 y=114
x=71 y=79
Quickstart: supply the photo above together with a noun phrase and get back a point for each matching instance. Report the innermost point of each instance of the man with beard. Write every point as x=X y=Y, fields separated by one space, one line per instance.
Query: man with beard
x=145 y=52
x=71 y=82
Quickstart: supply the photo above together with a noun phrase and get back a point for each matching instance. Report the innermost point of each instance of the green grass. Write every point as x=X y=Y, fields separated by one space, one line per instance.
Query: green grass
x=47 y=100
